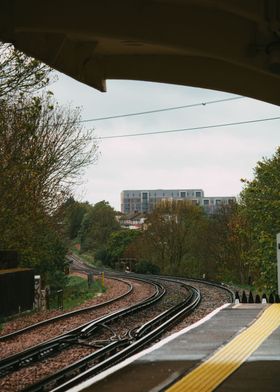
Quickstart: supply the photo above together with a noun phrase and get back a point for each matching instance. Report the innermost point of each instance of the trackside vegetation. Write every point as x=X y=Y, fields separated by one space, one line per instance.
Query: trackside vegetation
x=76 y=292
x=44 y=150
x=235 y=244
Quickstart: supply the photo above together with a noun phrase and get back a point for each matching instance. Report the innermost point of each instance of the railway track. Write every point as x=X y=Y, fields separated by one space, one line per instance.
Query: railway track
x=68 y=314
x=77 y=337
x=49 y=348
x=111 y=349
x=135 y=340
x=80 y=266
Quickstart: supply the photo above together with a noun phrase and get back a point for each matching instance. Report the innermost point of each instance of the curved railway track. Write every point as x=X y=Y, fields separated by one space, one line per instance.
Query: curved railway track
x=109 y=347
x=134 y=341
x=68 y=314
x=48 y=348
x=80 y=266
x=76 y=337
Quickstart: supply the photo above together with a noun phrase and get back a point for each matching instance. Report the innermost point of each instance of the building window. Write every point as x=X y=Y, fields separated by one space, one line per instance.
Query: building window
x=206 y=202
x=195 y=202
x=218 y=202
x=197 y=194
x=183 y=194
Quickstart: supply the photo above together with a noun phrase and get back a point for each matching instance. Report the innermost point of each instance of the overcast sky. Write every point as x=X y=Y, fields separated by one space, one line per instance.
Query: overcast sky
x=211 y=159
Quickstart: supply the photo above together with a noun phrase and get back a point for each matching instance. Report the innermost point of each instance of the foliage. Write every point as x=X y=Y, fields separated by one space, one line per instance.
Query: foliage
x=119 y=241
x=103 y=255
x=236 y=243
x=229 y=243
x=74 y=212
x=181 y=239
x=146 y=267
x=97 y=225
x=261 y=202
x=20 y=73
x=77 y=292
x=117 y=245
x=173 y=237
x=42 y=152
x=45 y=252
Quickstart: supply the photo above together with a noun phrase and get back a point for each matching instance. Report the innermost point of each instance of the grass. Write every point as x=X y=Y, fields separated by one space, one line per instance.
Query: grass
x=77 y=292
x=87 y=257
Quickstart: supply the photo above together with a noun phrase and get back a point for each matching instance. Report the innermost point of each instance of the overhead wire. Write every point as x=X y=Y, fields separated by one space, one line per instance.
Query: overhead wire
x=160 y=110
x=188 y=129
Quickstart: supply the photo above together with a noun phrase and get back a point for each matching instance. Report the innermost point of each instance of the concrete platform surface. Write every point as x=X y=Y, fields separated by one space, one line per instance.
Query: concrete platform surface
x=156 y=368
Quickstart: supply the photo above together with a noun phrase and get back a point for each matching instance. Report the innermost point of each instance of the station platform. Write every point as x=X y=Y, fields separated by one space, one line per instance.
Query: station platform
x=234 y=348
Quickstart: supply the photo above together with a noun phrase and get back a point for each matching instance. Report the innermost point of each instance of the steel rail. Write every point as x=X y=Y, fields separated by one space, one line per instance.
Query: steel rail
x=219 y=285
x=151 y=331
x=68 y=314
x=208 y=282
x=63 y=341
x=118 y=351
x=172 y=314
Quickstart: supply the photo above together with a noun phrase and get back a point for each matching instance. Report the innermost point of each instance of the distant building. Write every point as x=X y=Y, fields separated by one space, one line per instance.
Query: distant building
x=133 y=220
x=144 y=201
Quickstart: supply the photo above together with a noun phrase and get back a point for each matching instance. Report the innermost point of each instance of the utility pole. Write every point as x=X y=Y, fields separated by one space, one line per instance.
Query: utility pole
x=278 y=260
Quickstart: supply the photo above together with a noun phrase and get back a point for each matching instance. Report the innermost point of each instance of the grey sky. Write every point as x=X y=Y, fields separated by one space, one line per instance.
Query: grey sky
x=213 y=159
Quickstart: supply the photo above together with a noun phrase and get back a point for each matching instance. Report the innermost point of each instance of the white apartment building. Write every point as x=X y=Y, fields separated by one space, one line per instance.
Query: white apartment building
x=146 y=200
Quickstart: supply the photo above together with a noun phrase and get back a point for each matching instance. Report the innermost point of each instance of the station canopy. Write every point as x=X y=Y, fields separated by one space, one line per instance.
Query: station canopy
x=228 y=45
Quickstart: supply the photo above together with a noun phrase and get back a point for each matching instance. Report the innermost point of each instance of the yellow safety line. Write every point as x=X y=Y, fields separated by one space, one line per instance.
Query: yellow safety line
x=207 y=376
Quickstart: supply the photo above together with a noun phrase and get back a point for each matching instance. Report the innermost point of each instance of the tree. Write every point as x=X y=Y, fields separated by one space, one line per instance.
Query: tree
x=97 y=226
x=119 y=241
x=20 y=74
x=74 y=212
x=260 y=199
x=228 y=244
x=173 y=238
x=45 y=252
x=116 y=247
x=146 y=267
x=43 y=150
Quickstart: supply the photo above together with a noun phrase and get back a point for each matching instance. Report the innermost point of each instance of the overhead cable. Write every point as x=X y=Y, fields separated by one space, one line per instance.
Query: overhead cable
x=160 y=110
x=188 y=129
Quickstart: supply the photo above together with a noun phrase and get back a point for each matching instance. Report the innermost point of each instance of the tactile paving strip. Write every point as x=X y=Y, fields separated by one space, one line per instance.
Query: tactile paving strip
x=214 y=370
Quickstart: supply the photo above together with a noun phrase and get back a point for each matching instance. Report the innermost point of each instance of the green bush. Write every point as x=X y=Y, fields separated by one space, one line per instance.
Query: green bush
x=146 y=267
x=76 y=292
x=103 y=255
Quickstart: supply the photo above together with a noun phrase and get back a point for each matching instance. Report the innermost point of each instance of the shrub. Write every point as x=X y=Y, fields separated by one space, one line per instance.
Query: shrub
x=146 y=267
